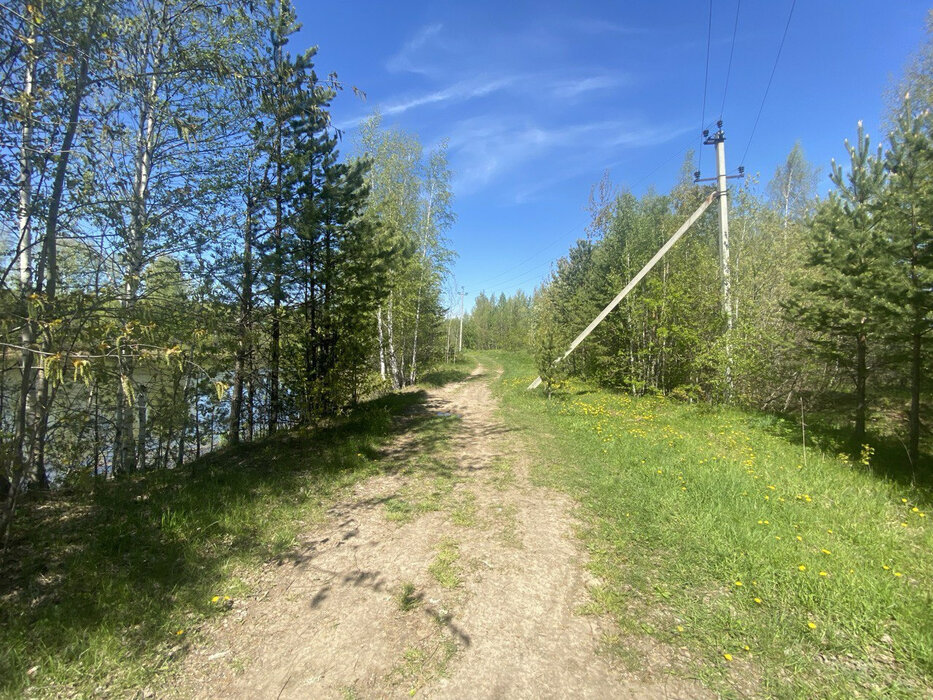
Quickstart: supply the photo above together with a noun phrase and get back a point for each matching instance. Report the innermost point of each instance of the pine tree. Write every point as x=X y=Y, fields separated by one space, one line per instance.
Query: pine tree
x=907 y=209
x=839 y=296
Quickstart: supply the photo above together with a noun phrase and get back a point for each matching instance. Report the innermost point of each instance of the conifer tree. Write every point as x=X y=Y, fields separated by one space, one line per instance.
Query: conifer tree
x=839 y=296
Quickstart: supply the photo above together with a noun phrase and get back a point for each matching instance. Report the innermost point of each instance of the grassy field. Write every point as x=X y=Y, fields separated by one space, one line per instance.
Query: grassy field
x=726 y=551
x=105 y=584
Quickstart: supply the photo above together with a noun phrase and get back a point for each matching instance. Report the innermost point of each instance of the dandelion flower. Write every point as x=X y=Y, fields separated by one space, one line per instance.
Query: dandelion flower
x=903 y=524
x=825 y=551
x=727 y=657
x=898 y=574
x=823 y=573
x=811 y=625
x=180 y=632
x=830 y=531
x=799 y=538
x=903 y=500
x=802 y=567
x=747 y=648
x=777 y=537
x=885 y=567
x=758 y=600
x=680 y=628
x=215 y=598
x=738 y=583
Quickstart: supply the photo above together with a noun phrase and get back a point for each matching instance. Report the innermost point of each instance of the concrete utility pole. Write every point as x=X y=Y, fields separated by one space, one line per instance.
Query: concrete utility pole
x=719 y=141
x=460 y=342
x=635 y=280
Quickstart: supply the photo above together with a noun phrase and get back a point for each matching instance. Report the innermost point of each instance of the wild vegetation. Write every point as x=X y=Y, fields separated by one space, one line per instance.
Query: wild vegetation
x=214 y=315
x=831 y=305
x=763 y=565
x=188 y=261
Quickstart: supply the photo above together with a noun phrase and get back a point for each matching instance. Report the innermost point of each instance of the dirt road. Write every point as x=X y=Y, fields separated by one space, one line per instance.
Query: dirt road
x=450 y=576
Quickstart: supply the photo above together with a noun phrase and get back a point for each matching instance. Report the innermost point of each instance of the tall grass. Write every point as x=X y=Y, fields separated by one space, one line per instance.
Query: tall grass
x=708 y=532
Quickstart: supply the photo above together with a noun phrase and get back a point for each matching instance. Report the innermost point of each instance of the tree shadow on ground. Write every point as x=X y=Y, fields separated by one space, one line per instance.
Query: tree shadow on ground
x=99 y=581
x=445 y=375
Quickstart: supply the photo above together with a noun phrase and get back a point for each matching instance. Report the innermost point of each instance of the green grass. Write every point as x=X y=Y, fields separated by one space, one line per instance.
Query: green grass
x=105 y=585
x=444 y=568
x=709 y=532
x=407 y=597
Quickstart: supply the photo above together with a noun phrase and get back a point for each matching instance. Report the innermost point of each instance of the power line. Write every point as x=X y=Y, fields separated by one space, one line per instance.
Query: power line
x=735 y=27
x=709 y=34
x=509 y=270
x=773 y=70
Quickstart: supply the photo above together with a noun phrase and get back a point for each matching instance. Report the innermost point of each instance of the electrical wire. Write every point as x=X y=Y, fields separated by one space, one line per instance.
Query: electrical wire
x=508 y=271
x=773 y=70
x=735 y=27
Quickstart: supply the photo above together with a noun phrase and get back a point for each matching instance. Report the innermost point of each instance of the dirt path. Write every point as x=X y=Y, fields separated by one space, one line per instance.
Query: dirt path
x=452 y=577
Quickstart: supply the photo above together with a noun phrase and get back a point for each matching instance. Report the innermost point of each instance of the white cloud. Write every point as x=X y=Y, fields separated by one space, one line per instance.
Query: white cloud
x=458 y=92
x=602 y=26
x=485 y=152
x=568 y=89
x=403 y=60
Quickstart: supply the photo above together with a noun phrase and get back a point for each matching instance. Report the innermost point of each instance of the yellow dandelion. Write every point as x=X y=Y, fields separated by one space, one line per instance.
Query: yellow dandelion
x=903 y=524
x=215 y=598
x=903 y=500
x=885 y=567
x=799 y=538
x=823 y=573
x=811 y=625
x=802 y=567
x=738 y=583
x=830 y=531
x=680 y=628
x=777 y=537
x=747 y=648
x=825 y=551
x=180 y=632
x=898 y=574
x=922 y=515
x=758 y=600
x=915 y=510
x=727 y=657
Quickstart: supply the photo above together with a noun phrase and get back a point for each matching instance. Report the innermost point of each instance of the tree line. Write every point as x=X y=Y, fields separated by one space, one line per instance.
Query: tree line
x=187 y=258
x=832 y=297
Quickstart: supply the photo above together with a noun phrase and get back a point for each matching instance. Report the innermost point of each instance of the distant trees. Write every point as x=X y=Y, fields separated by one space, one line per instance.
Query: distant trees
x=502 y=323
x=185 y=258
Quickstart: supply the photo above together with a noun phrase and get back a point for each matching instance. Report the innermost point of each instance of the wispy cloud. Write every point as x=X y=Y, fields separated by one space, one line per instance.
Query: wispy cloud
x=568 y=89
x=485 y=152
x=602 y=26
x=458 y=92
x=403 y=60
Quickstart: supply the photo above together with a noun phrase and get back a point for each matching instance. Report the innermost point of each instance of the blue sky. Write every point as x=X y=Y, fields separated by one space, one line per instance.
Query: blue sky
x=538 y=99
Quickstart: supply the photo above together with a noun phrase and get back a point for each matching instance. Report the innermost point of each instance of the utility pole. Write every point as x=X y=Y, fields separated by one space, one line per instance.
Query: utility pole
x=719 y=141
x=460 y=342
x=635 y=280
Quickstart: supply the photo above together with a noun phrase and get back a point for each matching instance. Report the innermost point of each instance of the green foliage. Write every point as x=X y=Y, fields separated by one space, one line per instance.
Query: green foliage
x=709 y=530
x=102 y=583
x=499 y=324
